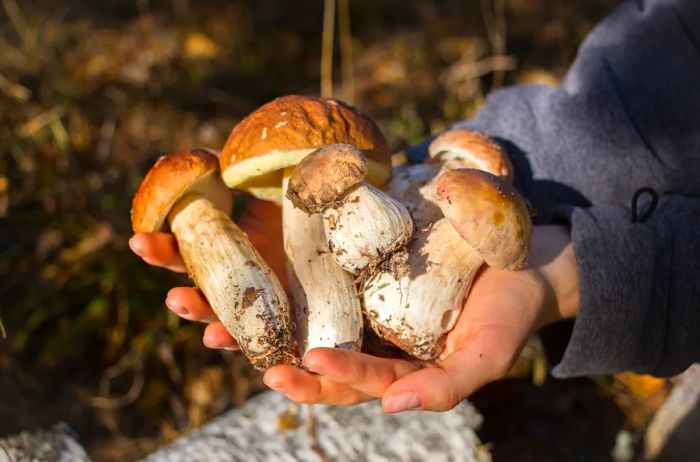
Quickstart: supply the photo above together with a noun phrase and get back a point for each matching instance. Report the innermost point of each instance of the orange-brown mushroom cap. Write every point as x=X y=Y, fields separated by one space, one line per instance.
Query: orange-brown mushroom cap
x=323 y=177
x=489 y=214
x=474 y=149
x=282 y=132
x=172 y=177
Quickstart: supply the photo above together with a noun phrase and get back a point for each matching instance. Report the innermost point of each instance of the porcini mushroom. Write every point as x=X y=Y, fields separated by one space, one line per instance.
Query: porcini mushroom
x=185 y=191
x=464 y=148
x=489 y=214
x=259 y=156
x=486 y=220
x=363 y=225
x=282 y=132
x=414 y=186
x=456 y=148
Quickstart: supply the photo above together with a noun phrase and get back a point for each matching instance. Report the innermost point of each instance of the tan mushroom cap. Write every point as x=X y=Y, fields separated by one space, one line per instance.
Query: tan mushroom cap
x=282 y=132
x=171 y=178
x=489 y=214
x=475 y=149
x=323 y=177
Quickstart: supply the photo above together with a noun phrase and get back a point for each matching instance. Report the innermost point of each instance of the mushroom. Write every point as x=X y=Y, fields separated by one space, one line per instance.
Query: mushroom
x=363 y=225
x=185 y=189
x=489 y=214
x=456 y=148
x=259 y=156
x=486 y=220
x=414 y=186
x=464 y=148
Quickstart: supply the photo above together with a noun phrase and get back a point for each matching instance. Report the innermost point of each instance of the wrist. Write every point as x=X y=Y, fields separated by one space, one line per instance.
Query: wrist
x=554 y=262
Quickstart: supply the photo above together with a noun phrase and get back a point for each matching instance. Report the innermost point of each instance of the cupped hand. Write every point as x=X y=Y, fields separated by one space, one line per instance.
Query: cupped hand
x=503 y=309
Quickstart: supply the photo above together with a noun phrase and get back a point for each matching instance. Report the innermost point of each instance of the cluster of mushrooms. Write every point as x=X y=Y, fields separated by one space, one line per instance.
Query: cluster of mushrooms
x=402 y=257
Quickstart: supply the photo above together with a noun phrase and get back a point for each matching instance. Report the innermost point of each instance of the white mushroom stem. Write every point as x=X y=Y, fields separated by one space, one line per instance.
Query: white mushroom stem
x=415 y=309
x=363 y=224
x=486 y=221
x=327 y=306
x=414 y=185
x=368 y=226
x=240 y=287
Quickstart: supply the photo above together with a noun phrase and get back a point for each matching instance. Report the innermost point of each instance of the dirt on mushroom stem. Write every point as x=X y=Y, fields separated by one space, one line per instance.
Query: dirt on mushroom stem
x=248 y=299
x=314 y=277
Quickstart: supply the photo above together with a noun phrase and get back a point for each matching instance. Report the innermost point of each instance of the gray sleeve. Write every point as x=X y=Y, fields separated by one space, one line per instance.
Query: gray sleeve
x=626 y=116
x=640 y=290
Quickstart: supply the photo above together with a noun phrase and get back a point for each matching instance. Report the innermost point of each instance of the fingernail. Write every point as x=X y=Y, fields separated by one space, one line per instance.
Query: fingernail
x=313 y=367
x=182 y=311
x=404 y=401
x=274 y=384
x=209 y=341
x=135 y=246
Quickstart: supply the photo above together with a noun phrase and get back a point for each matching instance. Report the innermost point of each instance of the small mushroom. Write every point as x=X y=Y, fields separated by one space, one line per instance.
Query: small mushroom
x=489 y=214
x=464 y=148
x=259 y=157
x=186 y=191
x=486 y=220
x=363 y=225
x=457 y=148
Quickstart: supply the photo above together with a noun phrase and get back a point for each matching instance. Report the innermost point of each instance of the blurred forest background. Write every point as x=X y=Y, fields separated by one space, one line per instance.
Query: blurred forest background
x=92 y=92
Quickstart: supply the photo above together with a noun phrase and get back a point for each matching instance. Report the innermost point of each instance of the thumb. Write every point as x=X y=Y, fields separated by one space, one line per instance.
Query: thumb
x=442 y=387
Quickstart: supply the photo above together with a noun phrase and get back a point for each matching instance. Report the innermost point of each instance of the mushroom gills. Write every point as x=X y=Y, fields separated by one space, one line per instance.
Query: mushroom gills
x=327 y=306
x=241 y=288
x=414 y=310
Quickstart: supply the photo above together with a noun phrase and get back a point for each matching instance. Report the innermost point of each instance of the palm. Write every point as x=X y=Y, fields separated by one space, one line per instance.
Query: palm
x=491 y=330
x=495 y=318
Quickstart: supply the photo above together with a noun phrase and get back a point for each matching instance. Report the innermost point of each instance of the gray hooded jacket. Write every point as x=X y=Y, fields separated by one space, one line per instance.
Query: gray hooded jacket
x=626 y=117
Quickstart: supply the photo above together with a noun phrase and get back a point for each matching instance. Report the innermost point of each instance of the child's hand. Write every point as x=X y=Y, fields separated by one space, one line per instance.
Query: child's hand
x=503 y=309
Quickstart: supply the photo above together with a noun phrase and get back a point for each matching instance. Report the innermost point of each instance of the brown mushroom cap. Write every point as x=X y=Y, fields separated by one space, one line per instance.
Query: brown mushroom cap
x=489 y=214
x=323 y=177
x=282 y=132
x=475 y=149
x=171 y=178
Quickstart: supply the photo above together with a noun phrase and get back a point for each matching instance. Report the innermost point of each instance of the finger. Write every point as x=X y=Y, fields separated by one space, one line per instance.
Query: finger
x=304 y=387
x=189 y=303
x=369 y=374
x=480 y=361
x=216 y=336
x=158 y=249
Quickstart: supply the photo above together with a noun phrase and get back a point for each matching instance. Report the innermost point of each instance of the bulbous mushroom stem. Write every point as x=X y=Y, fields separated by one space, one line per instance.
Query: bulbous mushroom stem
x=240 y=287
x=327 y=305
x=415 y=309
x=367 y=228
x=486 y=220
x=414 y=185
x=363 y=225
